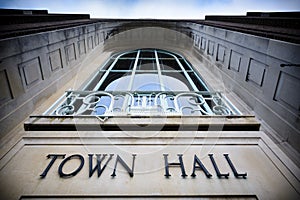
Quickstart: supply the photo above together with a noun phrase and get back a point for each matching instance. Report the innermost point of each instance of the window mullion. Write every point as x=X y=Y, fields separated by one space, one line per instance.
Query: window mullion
x=163 y=101
x=94 y=77
x=192 y=84
x=96 y=88
x=186 y=75
x=199 y=79
x=130 y=85
x=161 y=82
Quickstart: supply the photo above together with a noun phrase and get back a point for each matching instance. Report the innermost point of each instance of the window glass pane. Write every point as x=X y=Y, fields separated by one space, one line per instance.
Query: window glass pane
x=147 y=64
x=189 y=108
x=142 y=100
x=169 y=64
x=196 y=81
x=179 y=76
x=102 y=106
x=116 y=81
x=184 y=64
x=108 y=64
x=146 y=82
x=126 y=55
x=164 y=56
x=147 y=54
x=124 y=64
x=95 y=81
x=129 y=55
x=173 y=84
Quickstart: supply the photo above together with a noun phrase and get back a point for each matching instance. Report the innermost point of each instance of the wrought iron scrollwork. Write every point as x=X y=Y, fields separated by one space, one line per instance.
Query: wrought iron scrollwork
x=104 y=103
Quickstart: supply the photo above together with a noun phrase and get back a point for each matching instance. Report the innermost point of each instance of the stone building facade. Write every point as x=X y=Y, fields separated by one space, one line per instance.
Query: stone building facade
x=94 y=108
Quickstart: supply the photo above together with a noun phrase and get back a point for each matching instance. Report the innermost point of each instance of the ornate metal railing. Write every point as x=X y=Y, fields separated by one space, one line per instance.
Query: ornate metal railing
x=118 y=103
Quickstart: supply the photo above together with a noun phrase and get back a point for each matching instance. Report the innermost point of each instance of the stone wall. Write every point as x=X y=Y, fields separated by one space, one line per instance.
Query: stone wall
x=33 y=67
x=252 y=68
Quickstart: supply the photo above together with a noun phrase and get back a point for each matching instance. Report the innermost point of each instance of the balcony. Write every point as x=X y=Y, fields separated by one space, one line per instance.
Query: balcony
x=144 y=103
x=141 y=111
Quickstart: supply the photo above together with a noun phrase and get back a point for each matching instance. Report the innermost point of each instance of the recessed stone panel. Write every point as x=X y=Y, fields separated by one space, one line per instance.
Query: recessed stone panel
x=287 y=91
x=55 y=60
x=97 y=39
x=105 y=35
x=256 y=72
x=31 y=72
x=203 y=43
x=235 y=61
x=70 y=52
x=211 y=48
x=102 y=36
x=6 y=93
x=90 y=43
x=81 y=47
x=197 y=40
x=221 y=53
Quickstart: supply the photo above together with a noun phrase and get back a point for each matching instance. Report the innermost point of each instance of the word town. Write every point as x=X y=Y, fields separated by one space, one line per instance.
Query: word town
x=93 y=167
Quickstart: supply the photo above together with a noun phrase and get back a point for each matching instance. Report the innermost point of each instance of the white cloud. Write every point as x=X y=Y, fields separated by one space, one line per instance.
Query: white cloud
x=175 y=9
x=190 y=9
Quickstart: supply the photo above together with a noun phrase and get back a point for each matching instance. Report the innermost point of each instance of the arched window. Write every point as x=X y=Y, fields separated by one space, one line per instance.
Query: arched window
x=145 y=82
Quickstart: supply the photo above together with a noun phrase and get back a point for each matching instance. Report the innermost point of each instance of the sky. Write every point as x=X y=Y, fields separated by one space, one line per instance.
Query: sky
x=155 y=9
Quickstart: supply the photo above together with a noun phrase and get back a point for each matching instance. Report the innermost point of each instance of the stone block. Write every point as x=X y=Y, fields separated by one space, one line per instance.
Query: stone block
x=287 y=91
x=97 y=39
x=235 y=61
x=9 y=48
x=70 y=52
x=31 y=72
x=5 y=88
x=284 y=51
x=256 y=72
x=90 y=44
x=55 y=60
x=211 y=48
x=90 y=28
x=221 y=53
x=81 y=47
x=203 y=43
x=32 y=42
x=197 y=40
